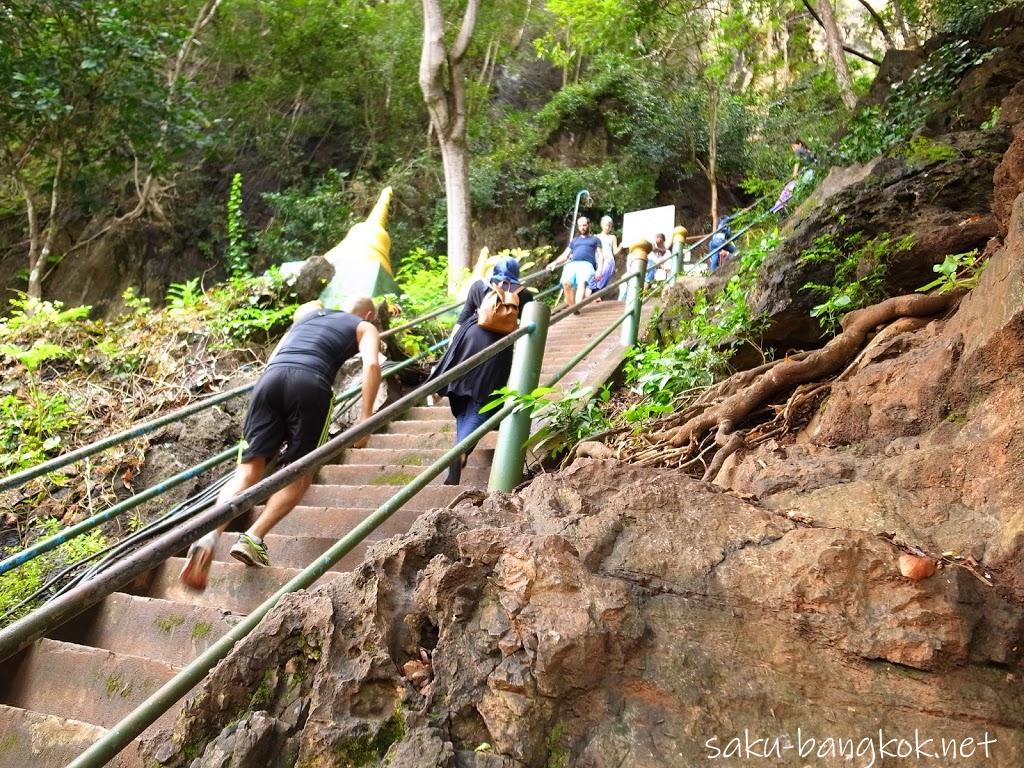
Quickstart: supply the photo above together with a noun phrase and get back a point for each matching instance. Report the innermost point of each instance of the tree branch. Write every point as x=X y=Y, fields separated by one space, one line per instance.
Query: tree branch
x=848 y=49
x=889 y=42
x=465 y=32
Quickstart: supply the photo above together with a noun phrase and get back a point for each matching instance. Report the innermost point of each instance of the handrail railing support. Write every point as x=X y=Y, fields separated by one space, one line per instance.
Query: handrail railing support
x=528 y=354
x=637 y=262
x=678 y=249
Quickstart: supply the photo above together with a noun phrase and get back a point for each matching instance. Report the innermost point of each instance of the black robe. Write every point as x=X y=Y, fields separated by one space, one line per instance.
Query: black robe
x=480 y=382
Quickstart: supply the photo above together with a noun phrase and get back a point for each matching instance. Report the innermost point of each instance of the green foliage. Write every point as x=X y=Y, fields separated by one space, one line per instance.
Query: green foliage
x=568 y=417
x=26 y=579
x=423 y=279
x=182 y=297
x=876 y=129
x=31 y=426
x=662 y=376
x=238 y=248
x=859 y=269
x=957 y=270
x=306 y=221
x=252 y=308
x=993 y=118
x=556 y=753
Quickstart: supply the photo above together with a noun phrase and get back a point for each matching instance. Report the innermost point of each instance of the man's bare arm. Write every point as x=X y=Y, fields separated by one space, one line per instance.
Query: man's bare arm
x=369 y=351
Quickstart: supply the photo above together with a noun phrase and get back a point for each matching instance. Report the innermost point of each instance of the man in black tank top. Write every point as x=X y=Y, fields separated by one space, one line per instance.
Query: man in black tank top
x=291 y=406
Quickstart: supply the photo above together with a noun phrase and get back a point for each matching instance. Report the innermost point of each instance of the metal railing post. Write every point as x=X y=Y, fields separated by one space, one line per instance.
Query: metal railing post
x=678 y=249
x=637 y=262
x=528 y=354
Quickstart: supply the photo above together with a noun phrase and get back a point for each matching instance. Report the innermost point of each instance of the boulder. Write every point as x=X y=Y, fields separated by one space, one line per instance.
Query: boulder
x=613 y=615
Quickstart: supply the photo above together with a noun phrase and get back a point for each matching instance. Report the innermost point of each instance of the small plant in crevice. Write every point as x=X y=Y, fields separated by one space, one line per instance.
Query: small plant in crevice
x=957 y=270
x=859 y=270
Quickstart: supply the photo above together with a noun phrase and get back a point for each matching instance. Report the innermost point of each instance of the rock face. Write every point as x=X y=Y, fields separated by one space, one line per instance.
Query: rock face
x=923 y=437
x=944 y=204
x=942 y=193
x=612 y=615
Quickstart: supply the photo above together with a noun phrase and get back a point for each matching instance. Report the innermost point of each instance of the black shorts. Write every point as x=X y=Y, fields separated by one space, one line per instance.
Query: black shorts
x=289 y=406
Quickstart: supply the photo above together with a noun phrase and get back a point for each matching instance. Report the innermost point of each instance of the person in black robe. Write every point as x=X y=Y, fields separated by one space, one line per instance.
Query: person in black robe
x=468 y=394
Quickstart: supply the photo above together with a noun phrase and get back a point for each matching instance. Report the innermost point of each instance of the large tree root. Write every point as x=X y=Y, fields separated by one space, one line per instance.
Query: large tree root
x=788 y=373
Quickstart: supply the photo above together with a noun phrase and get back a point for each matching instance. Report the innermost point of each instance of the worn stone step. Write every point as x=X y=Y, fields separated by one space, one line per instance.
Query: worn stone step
x=374 y=495
x=428 y=412
x=232 y=586
x=173 y=632
x=285 y=550
x=421 y=457
x=392 y=474
x=30 y=739
x=428 y=426
x=412 y=442
x=335 y=522
x=82 y=683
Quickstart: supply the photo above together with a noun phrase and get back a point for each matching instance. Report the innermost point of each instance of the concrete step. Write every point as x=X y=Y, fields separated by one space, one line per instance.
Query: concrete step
x=426 y=426
x=286 y=550
x=31 y=739
x=88 y=684
x=232 y=586
x=335 y=522
x=421 y=457
x=175 y=633
x=372 y=496
x=392 y=474
x=429 y=412
x=412 y=442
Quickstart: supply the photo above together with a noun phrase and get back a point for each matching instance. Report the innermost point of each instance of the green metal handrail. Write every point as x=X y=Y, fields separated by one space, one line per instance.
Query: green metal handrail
x=138 y=430
x=66 y=534
x=149 y=711
x=29 y=628
x=159 y=702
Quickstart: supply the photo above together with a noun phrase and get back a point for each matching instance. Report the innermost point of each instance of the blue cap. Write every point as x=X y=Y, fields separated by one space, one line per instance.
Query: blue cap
x=505 y=270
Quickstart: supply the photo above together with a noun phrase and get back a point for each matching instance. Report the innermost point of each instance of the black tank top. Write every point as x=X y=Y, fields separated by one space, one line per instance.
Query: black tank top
x=319 y=343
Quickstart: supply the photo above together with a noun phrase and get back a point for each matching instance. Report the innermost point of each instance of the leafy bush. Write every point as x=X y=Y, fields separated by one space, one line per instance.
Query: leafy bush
x=307 y=220
x=423 y=280
x=859 y=273
x=567 y=417
x=874 y=130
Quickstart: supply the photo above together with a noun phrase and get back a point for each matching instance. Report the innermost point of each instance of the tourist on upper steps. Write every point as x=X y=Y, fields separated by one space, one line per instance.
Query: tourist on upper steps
x=580 y=259
x=291 y=407
x=469 y=393
x=656 y=261
x=605 y=256
x=719 y=247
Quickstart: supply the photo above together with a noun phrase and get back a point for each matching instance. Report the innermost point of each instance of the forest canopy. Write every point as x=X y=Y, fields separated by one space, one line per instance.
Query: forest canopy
x=126 y=117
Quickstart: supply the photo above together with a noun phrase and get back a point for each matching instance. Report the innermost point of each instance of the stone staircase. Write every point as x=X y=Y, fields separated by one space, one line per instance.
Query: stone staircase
x=58 y=696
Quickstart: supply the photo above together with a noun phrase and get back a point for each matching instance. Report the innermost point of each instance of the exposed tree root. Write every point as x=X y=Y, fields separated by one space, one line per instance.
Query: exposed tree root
x=790 y=372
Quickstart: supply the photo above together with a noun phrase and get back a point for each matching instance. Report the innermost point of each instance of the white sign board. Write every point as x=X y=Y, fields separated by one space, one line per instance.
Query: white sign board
x=644 y=225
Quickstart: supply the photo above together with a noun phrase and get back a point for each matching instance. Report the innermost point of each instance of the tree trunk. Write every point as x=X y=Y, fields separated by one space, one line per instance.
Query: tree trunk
x=33 y=240
x=909 y=38
x=713 y=159
x=455 y=158
x=835 y=49
x=443 y=82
